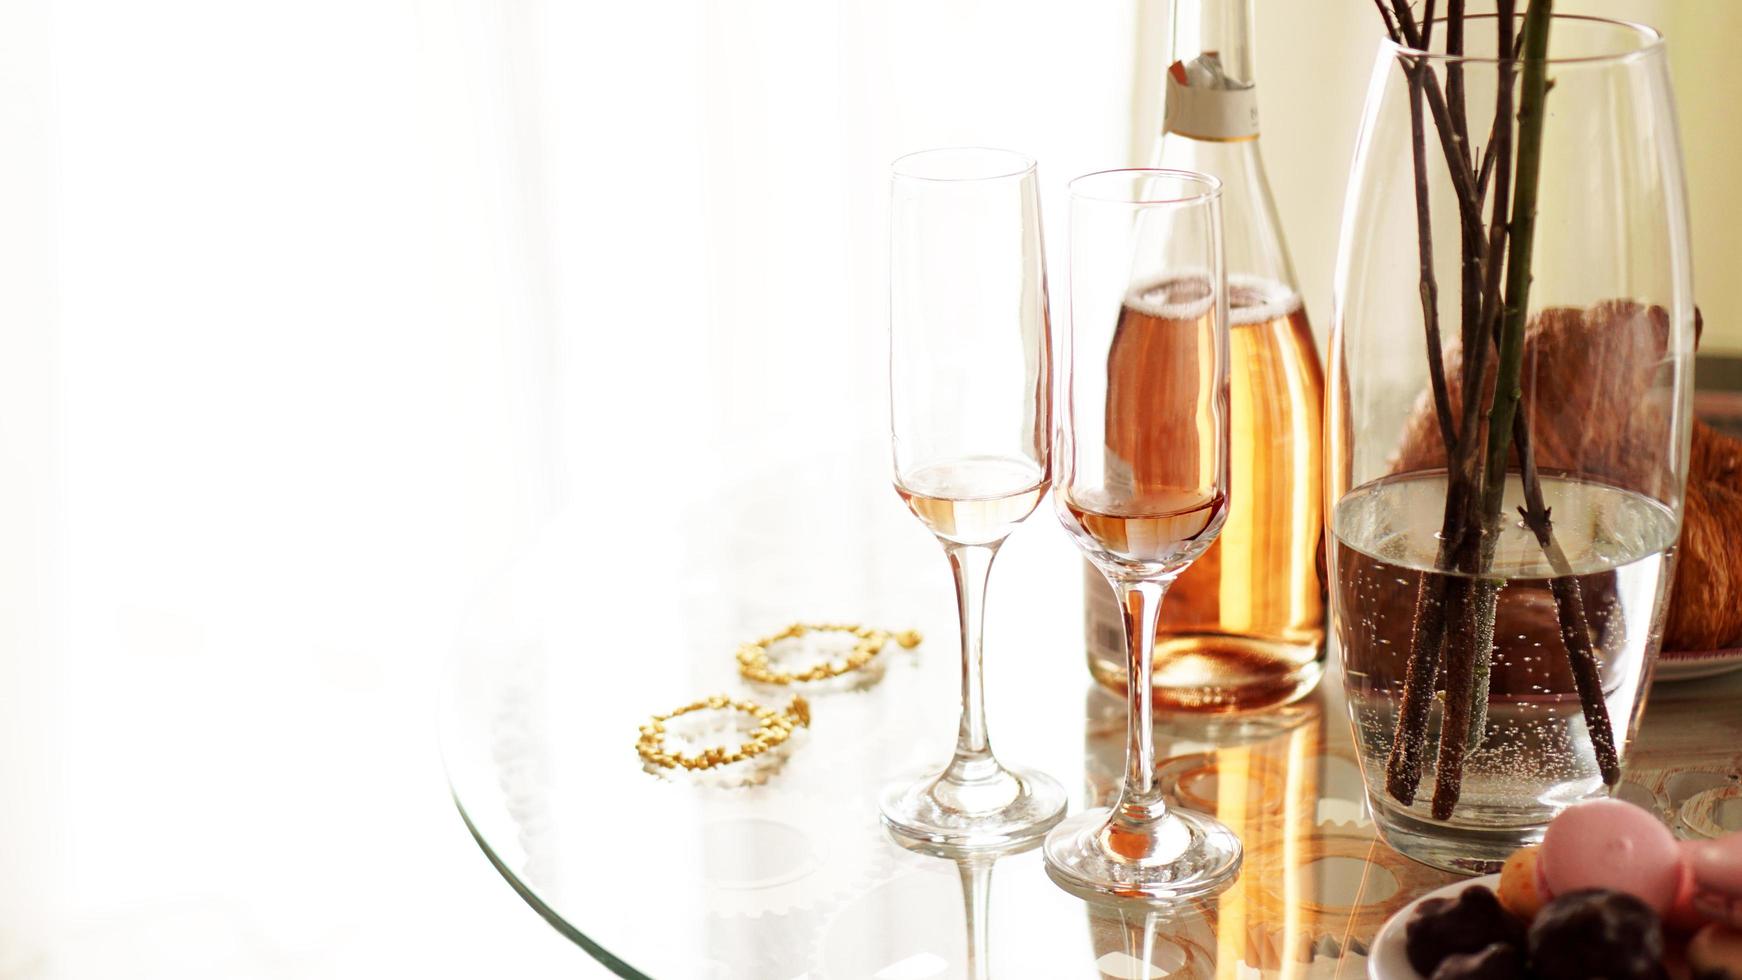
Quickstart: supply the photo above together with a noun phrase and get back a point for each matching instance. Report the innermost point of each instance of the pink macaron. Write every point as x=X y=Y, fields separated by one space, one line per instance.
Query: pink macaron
x=1716 y=869
x=1682 y=917
x=1611 y=844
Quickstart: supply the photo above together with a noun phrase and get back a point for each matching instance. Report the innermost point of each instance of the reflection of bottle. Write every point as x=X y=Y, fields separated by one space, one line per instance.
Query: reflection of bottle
x=1260 y=774
x=1243 y=627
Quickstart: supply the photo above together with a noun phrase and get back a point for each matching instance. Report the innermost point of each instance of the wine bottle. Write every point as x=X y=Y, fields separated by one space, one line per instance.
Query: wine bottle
x=1243 y=626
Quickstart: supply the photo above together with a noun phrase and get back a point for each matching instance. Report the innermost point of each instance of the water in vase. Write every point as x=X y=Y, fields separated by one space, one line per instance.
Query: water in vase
x=1533 y=755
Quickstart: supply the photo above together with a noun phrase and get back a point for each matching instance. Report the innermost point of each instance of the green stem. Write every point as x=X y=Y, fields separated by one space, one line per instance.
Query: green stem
x=1507 y=389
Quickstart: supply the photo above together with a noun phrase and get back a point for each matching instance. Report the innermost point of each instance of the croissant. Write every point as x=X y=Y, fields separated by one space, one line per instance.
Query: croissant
x=1593 y=403
x=1704 y=611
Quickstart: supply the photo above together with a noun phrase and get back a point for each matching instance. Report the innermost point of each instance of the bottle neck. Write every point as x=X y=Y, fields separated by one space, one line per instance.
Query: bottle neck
x=1252 y=236
x=1210 y=92
x=1211 y=126
x=1221 y=28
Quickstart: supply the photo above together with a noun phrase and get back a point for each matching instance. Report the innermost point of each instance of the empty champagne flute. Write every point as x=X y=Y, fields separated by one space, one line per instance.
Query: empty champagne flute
x=970 y=395
x=1143 y=485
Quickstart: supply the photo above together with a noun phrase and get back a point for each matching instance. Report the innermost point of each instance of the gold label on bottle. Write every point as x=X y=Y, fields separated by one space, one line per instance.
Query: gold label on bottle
x=1202 y=109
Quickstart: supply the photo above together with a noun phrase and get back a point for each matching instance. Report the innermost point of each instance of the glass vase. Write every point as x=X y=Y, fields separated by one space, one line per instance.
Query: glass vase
x=1513 y=282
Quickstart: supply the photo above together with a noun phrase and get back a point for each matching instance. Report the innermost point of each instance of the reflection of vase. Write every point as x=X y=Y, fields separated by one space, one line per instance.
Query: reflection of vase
x=1545 y=644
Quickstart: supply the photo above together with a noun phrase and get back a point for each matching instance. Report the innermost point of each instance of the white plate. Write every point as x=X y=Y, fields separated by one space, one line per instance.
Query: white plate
x=1679 y=665
x=1388 y=959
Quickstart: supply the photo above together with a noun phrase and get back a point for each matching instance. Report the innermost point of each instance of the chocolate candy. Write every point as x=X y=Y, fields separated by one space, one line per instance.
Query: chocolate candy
x=1495 y=961
x=1596 y=933
x=1443 y=927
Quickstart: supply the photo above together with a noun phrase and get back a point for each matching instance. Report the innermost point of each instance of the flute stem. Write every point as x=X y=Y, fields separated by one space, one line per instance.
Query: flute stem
x=1140 y=802
x=972 y=565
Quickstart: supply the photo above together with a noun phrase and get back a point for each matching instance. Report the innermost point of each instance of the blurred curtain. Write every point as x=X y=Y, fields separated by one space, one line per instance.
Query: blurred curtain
x=314 y=313
x=693 y=198
x=32 y=530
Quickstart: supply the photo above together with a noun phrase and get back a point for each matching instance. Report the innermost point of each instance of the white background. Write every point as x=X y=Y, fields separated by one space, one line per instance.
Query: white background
x=311 y=313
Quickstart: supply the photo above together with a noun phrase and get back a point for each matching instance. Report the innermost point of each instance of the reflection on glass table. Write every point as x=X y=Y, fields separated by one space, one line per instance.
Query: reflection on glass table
x=792 y=877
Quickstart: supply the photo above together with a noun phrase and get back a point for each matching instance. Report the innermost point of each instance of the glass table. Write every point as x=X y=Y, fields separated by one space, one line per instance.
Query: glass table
x=789 y=876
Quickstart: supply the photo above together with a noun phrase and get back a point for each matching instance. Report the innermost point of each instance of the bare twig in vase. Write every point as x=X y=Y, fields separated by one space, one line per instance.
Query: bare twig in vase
x=1576 y=632
x=1456 y=609
x=1430 y=289
x=1409 y=742
x=1440 y=599
x=1501 y=142
x=1469 y=238
x=1490 y=151
x=1455 y=718
x=1427 y=635
x=1507 y=389
x=1451 y=142
x=1455 y=72
x=1489 y=315
x=1390 y=24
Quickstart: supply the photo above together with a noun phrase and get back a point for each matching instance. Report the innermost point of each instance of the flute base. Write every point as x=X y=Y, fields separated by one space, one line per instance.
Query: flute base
x=1189 y=856
x=973 y=807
